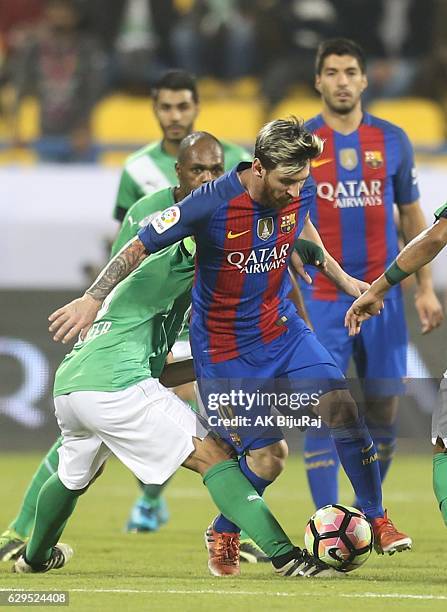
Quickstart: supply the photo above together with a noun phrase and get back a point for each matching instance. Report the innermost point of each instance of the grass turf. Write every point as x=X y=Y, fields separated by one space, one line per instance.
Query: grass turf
x=167 y=570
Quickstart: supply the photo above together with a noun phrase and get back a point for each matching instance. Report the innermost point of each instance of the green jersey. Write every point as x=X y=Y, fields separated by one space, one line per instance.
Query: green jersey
x=139 y=215
x=135 y=328
x=150 y=169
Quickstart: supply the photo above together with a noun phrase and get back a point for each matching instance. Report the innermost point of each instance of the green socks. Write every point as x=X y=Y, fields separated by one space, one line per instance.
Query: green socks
x=152 y=492
x=238 y=501
x=55 y=505
x=23 y=522
x=440 y=482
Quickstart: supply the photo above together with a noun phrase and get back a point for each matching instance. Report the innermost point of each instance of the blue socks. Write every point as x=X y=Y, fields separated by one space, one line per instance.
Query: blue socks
x=385 y=440
x=322 y=463
x=223 y=525
x=358 y=457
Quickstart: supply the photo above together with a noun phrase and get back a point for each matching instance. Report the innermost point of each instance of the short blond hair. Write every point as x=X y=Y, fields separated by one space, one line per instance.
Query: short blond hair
x=287 y=144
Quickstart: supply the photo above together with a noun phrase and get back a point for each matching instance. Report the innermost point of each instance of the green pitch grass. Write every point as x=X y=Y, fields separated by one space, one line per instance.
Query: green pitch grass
x=167 y=570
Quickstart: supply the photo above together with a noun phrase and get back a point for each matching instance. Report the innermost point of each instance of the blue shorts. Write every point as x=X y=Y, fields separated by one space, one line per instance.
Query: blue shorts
x=294 y=366
x=379 y=351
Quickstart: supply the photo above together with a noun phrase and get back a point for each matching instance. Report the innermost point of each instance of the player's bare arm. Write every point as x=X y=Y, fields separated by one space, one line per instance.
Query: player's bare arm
x=127 y=260
x=427 y=304
x=297 y=297
x=420 y=251
x=332 y=269
x=78 y=316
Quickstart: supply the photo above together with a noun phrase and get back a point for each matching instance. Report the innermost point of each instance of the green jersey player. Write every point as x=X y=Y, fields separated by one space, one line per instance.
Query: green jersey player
x=176 y=107
x=200 y=159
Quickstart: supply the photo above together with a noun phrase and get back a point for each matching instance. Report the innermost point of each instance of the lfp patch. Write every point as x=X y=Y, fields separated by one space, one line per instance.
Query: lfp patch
x=166 y=219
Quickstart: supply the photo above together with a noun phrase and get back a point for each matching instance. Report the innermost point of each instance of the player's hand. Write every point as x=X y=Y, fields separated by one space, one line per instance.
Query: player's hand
x=361 y=286
x=351 y=286
x=300 y=257
x=429 y=310
x=364 y=307
x=74 y=318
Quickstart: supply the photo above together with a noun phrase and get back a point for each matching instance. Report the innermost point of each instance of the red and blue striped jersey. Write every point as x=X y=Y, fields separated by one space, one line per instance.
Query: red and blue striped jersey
x=243 y=250
x=359 y=177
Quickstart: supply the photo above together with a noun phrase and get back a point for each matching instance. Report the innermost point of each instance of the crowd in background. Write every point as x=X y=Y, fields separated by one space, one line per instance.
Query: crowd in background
x=69 y=53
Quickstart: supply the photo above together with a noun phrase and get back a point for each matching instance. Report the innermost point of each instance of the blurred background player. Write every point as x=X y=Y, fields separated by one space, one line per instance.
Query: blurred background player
x=200 y=160
x=366 y=168
x=415 y=255
x=176 y=107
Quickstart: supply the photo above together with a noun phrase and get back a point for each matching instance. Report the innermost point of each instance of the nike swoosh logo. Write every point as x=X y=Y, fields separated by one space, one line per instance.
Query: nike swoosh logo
x=230 y=234
x=320 y=162
x=367 y=448
x=316 y=453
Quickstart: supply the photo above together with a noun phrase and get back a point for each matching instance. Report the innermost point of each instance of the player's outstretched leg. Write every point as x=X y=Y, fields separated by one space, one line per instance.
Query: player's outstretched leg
x=249 y=551
x=12 y=541
x=150 y=510
x=358 y=457
x=237 y=499
x=55 y=505
x=267 y=458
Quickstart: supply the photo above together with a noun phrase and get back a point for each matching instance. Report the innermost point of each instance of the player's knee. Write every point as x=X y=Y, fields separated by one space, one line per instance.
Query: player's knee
x=439 y=447
x=337 y=408
x=207 y=453
x=97 y=475
x=270 y=461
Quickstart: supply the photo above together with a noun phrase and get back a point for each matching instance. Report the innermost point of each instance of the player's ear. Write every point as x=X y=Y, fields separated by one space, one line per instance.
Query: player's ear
x=364 y=82
x=177 y=170
x=257 y=168
x=317 y=83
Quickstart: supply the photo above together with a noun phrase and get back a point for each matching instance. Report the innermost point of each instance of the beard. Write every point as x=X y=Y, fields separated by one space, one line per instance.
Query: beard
x=341 y=108
x=180 y=135
x=269 y=200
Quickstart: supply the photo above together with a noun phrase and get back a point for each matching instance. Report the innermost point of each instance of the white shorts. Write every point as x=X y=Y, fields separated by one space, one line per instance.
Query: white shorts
x=181 y=350
x=439 y=416
x=146 y=427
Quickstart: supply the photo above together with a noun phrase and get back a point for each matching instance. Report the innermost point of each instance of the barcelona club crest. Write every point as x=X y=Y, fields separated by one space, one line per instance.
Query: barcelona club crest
x=288 y=222
x=236 y=439
x=348 y=158
x=265 y=228
x=374 y=159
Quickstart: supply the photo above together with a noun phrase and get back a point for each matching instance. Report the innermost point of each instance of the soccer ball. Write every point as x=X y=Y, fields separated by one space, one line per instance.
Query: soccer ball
x=339 y=536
